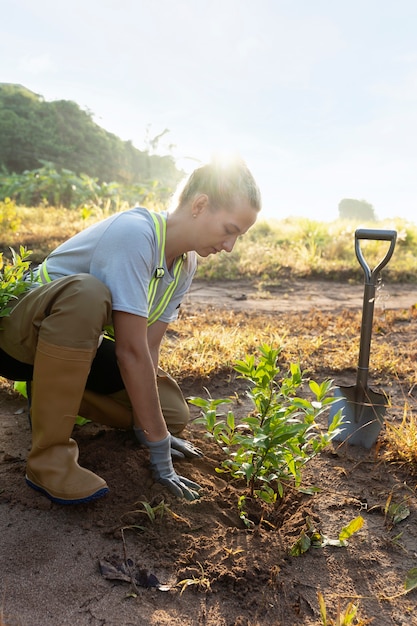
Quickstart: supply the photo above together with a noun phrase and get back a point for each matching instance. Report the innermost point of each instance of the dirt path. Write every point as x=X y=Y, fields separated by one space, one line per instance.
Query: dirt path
x=297 y=296
x=50 y=555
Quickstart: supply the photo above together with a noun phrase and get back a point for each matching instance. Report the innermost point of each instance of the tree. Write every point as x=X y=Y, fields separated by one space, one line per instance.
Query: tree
x=34 y=132
x=350 y=209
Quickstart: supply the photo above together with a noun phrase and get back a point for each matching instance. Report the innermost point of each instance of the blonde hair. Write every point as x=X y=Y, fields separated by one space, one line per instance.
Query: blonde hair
x=224 y=183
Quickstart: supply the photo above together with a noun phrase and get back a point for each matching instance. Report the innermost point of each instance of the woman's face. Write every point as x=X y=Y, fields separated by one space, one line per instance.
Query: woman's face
x=218 y=229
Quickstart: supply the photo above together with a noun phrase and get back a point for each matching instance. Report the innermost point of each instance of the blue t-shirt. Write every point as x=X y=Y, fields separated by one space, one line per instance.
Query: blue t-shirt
x=122 y=251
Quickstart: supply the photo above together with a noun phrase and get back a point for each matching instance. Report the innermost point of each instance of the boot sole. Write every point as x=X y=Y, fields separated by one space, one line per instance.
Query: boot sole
x=98 y=494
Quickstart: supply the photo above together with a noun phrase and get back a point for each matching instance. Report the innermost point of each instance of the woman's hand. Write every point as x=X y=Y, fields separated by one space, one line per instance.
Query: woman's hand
x=164 y=473
x=180 y=448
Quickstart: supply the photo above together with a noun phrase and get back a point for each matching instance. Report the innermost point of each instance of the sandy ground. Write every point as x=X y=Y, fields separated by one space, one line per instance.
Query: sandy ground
x=298 y=295
x=99 y=564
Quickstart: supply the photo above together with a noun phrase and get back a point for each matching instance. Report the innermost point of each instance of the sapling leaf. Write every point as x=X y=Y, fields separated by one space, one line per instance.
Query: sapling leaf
x=397 y=513
x=411 y=579
x=219 y=470
x=230 y=420
x=302 y=544
x=349 y=614
x=301 y=402
x=315 y=388
x=197 y=401
x=15 y=279
x=353 y=527
x=309 y=490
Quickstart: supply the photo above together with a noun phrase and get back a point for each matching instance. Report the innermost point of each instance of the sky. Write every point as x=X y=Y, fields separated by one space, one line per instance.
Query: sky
x=318 y=96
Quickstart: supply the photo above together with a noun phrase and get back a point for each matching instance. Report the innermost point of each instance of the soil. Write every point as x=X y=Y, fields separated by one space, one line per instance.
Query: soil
x=108 y=564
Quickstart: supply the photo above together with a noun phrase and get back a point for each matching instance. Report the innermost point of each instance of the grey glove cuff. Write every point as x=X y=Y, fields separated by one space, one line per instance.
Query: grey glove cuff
x=141 y=437
x=160 y=453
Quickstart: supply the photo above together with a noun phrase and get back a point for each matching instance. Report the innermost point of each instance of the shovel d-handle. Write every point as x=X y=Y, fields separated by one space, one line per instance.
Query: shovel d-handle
x=371 y=277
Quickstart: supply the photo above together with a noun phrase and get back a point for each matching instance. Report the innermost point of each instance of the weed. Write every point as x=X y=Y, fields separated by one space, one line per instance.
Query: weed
x=202 y=582
x=312 y=538
x=395 y=512
x=12 y=279
x=349 y=616
x=241 y=502
x=346 y=617
x=154 y=514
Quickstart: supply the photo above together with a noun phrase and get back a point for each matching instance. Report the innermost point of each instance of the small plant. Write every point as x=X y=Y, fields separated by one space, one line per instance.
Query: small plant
x=202 y=582
x=154 y=514
x=241 y=504
x=315 y=539
x=12 y=279
x=395 y=512
x=346 y=617
x=271 y=445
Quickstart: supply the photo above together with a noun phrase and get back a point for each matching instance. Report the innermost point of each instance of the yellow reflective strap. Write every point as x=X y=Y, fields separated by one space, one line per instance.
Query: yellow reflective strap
x=160 y=226
x=43 y=276
x=161 y=231
x=162 y=305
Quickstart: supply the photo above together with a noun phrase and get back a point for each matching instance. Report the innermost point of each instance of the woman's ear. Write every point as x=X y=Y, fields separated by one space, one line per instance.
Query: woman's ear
x=199 y=204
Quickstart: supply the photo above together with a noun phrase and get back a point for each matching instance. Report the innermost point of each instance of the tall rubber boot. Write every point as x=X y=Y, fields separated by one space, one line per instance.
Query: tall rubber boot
x=58 y=384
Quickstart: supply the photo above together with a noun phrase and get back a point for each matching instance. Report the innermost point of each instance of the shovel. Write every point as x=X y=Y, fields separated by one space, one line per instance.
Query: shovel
x=363 y=409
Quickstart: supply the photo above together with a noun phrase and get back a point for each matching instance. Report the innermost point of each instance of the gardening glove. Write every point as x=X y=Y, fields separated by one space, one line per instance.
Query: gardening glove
x=183 y=448
x=164 y=473
x=180 y=448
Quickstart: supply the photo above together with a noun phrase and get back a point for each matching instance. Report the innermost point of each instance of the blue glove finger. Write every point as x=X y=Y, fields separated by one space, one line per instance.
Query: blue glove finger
x=187 y=448
x=179 y=489
x=189 y=494
x=176 y=454
x=190 y=483
x=172 y=487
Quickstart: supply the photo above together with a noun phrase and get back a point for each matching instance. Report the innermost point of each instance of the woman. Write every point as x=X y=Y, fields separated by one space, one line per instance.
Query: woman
x=128 y=273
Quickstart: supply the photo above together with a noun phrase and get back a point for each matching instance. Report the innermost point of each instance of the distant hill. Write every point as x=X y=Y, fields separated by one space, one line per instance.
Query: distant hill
x=34 y=132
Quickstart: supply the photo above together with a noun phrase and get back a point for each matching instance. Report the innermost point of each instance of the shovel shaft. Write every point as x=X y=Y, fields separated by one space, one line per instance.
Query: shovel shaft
x=371 y=278
x=365 y=340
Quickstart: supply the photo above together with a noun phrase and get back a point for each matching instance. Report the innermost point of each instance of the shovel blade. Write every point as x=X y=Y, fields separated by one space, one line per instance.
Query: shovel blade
x=361 y=421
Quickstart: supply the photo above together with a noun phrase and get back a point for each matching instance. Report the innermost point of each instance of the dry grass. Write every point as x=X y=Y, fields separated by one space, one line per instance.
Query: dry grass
x=42 y=229
x=207 y=342
x=401 y=440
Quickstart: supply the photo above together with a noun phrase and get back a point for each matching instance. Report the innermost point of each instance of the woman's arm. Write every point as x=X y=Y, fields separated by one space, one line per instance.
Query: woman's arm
x=139 y=376
x=137 y=367
x=155 y=334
